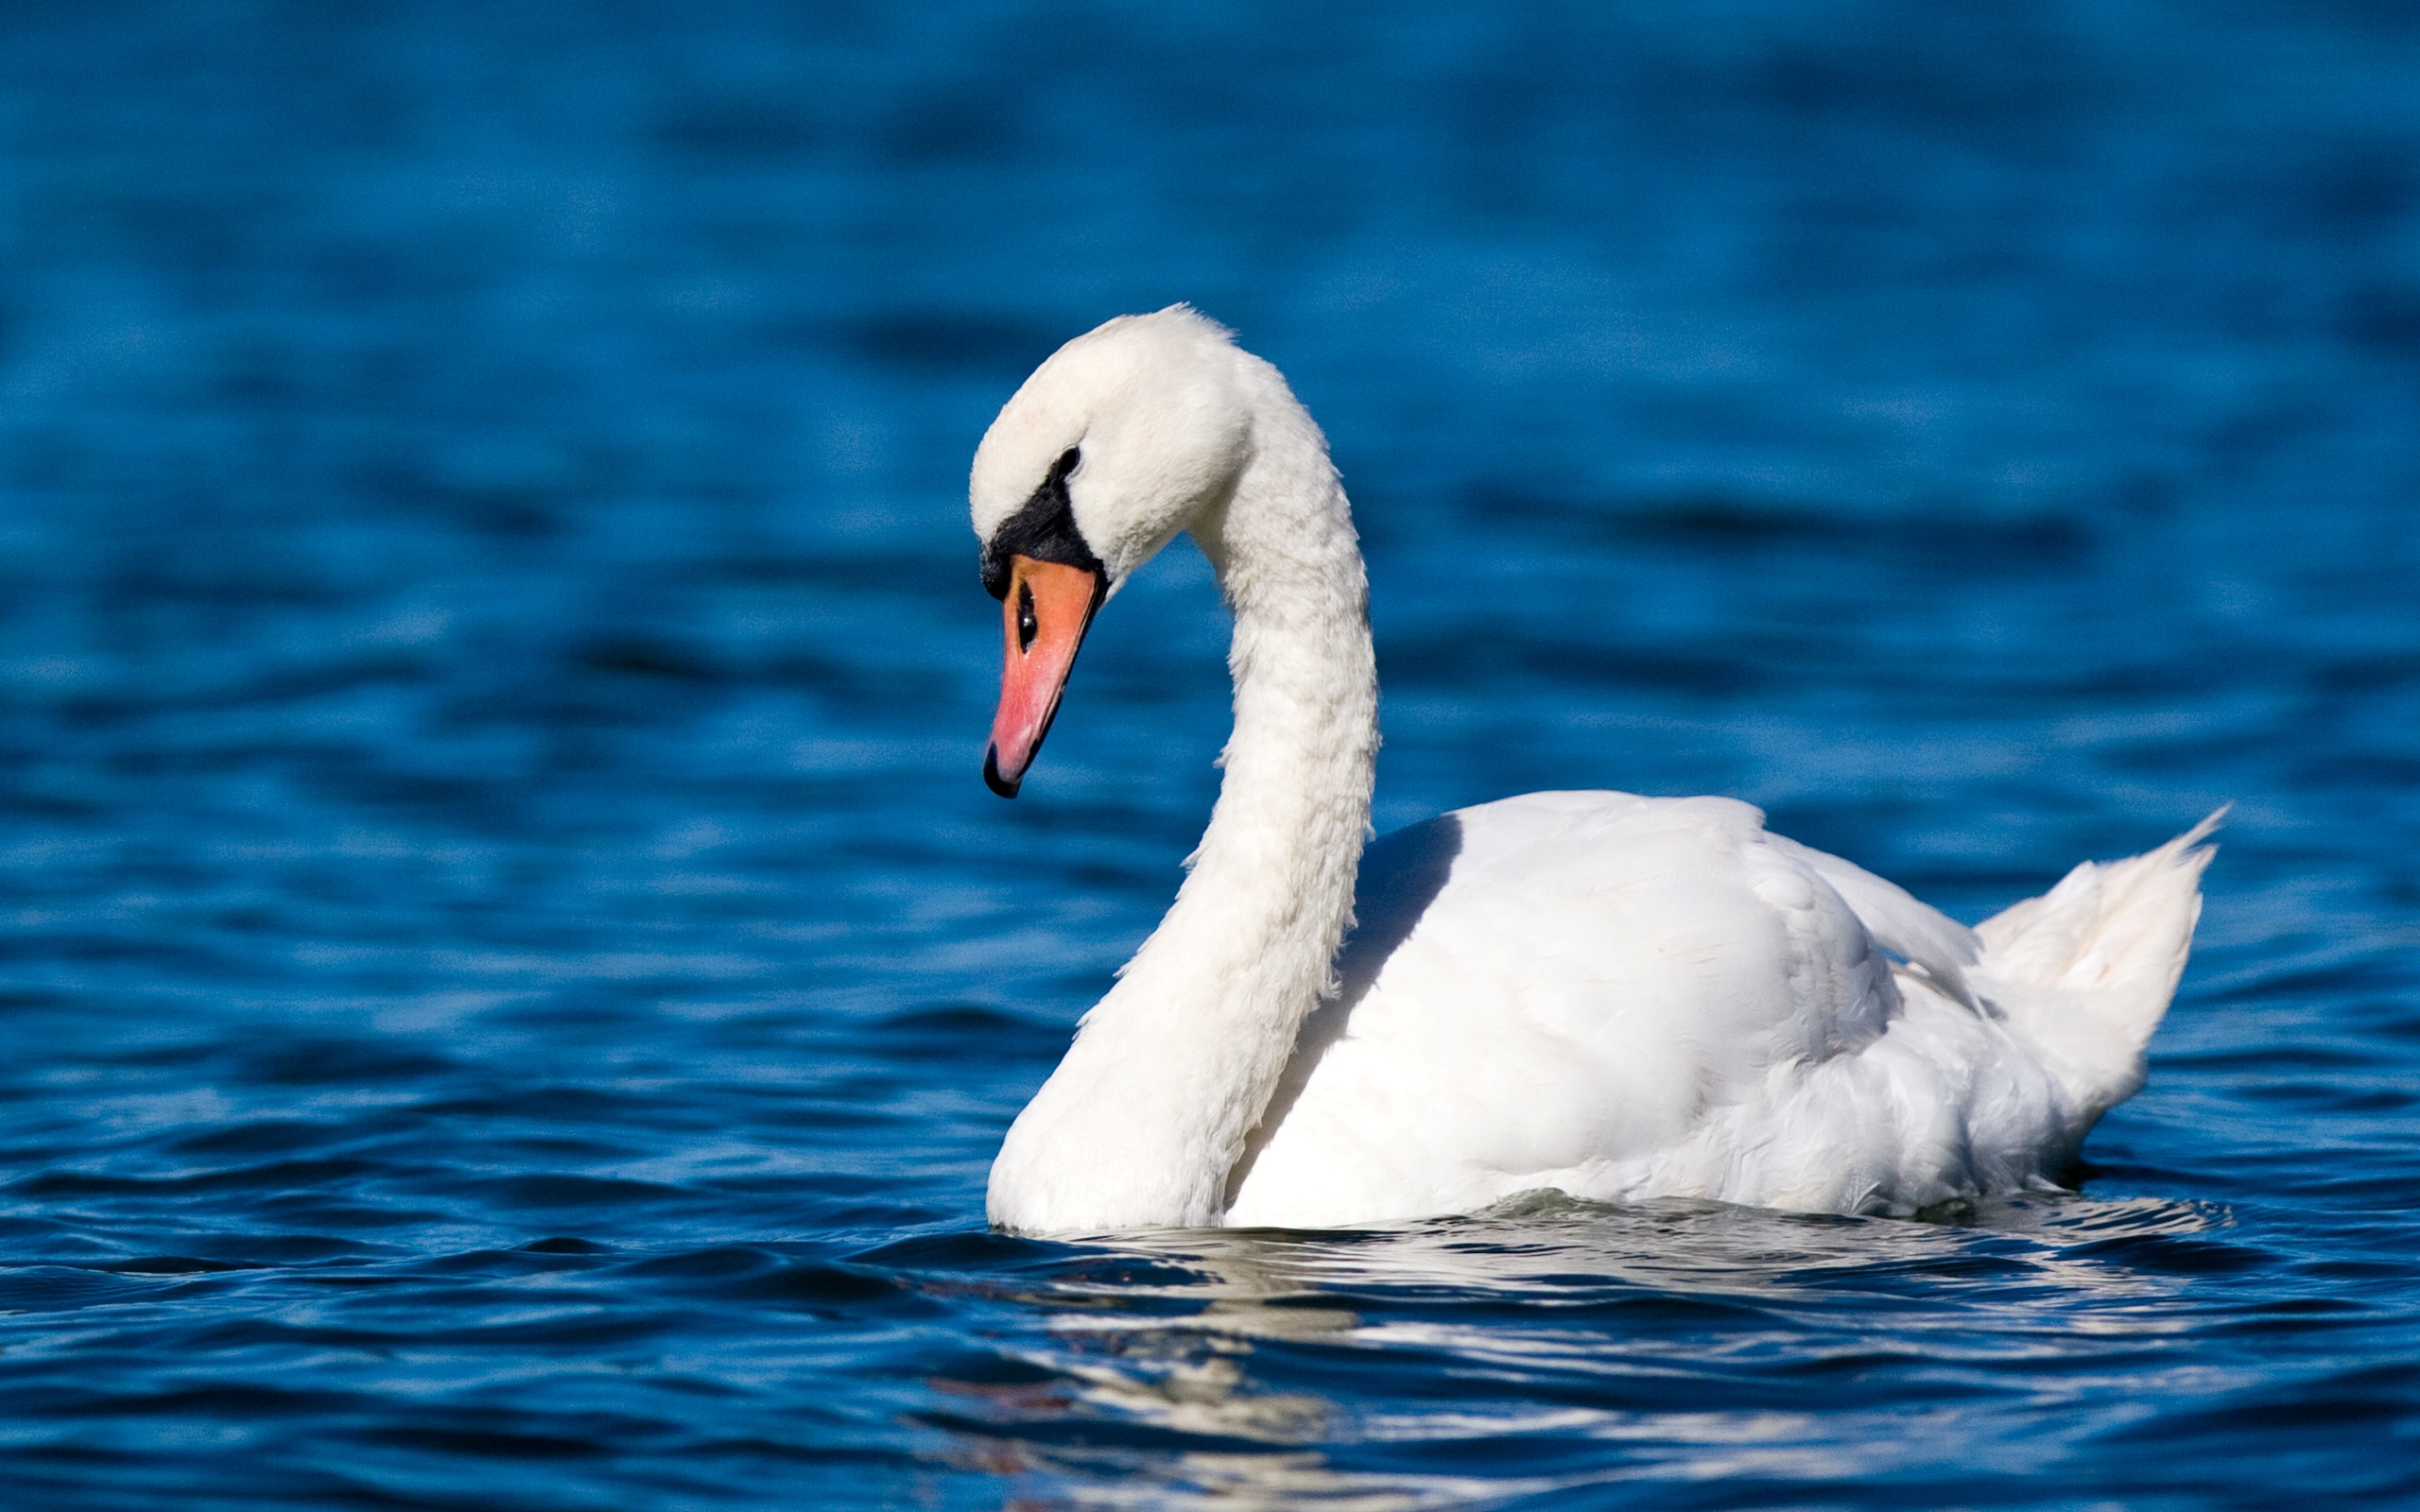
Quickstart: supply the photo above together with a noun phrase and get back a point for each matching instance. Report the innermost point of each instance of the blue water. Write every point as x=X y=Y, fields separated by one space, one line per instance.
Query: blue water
x=512 y=976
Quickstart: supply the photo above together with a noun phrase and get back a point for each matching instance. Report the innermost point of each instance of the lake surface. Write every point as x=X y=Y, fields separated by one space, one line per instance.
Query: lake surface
x=513 y=980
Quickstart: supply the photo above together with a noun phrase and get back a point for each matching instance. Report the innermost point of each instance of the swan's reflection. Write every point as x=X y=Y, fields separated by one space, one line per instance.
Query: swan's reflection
x=1569 y=1342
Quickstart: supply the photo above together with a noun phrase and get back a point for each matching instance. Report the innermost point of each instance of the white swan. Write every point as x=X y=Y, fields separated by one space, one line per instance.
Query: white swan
x=1618 y=997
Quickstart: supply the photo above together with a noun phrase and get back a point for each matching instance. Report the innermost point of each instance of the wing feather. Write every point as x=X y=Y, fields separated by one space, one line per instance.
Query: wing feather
x=1916 y=932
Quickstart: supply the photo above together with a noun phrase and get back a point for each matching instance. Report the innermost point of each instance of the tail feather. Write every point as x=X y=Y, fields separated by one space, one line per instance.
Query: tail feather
x=2084 y=972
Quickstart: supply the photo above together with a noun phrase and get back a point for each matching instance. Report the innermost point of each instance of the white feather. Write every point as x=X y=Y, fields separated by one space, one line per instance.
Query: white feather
x=1618 y=997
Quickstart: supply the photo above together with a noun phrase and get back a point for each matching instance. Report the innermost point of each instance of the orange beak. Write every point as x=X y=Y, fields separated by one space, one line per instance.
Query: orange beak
x=1045 y=614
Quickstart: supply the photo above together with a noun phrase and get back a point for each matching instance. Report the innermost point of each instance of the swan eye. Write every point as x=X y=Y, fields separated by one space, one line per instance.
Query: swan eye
x=1044 y=529
x=1028 y=627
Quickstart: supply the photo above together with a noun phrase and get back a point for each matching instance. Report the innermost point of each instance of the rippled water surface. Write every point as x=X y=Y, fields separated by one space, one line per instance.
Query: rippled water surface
x=512 y=977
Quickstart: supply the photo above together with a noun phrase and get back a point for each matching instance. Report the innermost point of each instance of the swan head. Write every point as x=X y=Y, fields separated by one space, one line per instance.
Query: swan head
x=1124 y=437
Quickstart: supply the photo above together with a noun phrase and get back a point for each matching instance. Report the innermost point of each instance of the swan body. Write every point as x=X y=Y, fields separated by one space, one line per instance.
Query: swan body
x=1614 y=996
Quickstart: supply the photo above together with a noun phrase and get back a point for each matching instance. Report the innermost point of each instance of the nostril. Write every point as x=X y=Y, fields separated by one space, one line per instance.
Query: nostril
x=1028 y=627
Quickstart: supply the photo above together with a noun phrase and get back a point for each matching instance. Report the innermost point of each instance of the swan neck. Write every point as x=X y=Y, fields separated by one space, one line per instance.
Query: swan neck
x=1171 y=1071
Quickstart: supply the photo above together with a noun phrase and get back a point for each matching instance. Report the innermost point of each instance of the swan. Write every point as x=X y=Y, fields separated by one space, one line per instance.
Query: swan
x=1615 y=997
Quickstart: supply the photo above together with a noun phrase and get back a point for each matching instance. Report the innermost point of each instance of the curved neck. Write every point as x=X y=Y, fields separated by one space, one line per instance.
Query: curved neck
x=1168 y=1075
